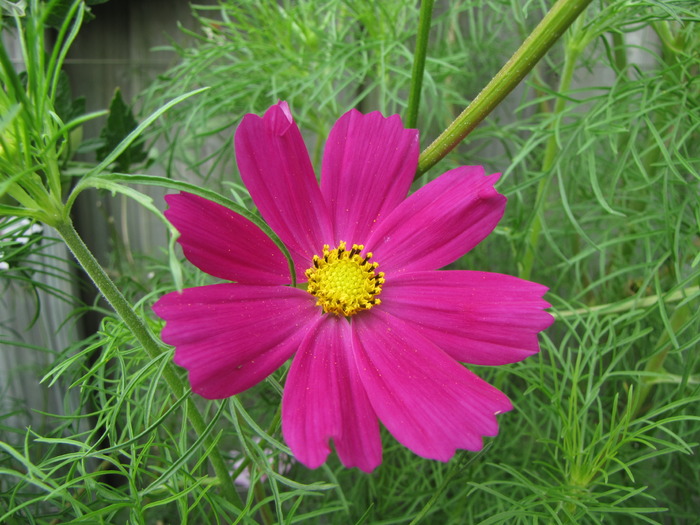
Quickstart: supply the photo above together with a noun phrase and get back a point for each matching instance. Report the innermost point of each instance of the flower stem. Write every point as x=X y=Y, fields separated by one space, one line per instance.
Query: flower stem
x=424 y=19
x=655 y=365
x=150 y=345
x=556 y=21
x=629 y=304
x=550 y=153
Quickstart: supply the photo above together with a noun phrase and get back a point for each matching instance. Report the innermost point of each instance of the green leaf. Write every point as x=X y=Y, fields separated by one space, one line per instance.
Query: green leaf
x=66 y=107
x=60 y=9
x=13 y=8
x=120 y=123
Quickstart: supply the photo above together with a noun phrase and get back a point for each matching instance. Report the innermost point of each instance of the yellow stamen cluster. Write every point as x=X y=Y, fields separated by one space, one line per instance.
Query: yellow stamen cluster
x=344 y=282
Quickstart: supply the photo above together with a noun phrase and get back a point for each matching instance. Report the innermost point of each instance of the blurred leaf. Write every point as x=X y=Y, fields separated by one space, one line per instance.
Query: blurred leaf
x=13 y=8
x=66 y=106
x=120 y=123
x=60 y=9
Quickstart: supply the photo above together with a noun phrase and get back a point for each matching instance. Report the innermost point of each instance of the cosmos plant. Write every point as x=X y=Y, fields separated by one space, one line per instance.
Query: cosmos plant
x=344 y=291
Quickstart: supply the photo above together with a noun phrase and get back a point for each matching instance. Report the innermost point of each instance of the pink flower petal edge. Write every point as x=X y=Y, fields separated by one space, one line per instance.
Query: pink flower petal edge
x=225 y=244
x=476 y=317
x=276 y=169
x=438 y=223
x=324 y=399
x=230 y=337
x=368 y=166
x=430 y=403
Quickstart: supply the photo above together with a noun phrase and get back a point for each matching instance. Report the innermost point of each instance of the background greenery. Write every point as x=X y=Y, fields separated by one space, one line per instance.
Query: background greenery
x=600 y=155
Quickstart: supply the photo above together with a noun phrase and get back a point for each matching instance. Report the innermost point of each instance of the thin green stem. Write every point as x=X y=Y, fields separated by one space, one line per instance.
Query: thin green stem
x=619 y=52
x=424 y=20
x=629 y=304
x=17 y=193
x=669 y=42
x=550 y=154
x=53 y=174
x=454 y=470
x=150 y=345
x=265 y=512
x=458 y=466
x=655 y=365
x=71 y=25
x=552 y=26
x=11 y=80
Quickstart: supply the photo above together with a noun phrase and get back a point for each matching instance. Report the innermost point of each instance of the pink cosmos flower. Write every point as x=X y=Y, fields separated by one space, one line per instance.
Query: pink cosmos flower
x=376 y=331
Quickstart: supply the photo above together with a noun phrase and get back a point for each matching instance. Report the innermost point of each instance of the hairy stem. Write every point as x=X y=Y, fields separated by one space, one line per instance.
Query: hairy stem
x=150 y=345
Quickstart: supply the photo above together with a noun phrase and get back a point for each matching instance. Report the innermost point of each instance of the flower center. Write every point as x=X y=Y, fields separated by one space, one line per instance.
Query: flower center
x=344 y=282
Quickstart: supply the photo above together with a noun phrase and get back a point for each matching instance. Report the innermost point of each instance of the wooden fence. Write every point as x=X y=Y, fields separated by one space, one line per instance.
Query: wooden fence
x=113 y=50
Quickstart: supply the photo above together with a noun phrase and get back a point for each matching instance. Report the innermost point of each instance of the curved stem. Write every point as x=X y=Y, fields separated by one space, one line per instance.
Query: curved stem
x=424 y=19
x=150 y=345
x=552 y=26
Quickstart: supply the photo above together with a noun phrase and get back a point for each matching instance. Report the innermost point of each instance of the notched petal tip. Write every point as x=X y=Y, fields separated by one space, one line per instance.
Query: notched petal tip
x=369 y=162
x=162 y=306
x=278 y=119
x=284 y=106
x=429 y=402
x=174 y=200
x=454 y=213
x=490 y=188
x=324 y=401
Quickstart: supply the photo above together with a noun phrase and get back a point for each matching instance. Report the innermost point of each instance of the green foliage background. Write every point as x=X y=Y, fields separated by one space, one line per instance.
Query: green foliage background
x=600 y=156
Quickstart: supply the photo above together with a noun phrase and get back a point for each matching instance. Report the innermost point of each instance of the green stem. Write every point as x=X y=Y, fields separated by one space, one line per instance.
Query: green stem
x=454 y=470
x=150 y=345
x=550 y=154
x=655 y=365
x=265 y=512
x=619 y=52
x=552 y=26
x=629 y=304
x=424 y=19
x=669 y=43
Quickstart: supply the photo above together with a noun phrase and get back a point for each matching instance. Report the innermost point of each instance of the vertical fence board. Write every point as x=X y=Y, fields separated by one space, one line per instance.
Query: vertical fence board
x=113 y=50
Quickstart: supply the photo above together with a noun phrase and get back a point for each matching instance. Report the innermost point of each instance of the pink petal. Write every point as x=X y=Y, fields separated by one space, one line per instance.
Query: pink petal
x=276 y=169
x=438 y=223
x=324 y=398
x=476 y=317
x=368 y=165
x=232 y=336
x=225 y=244
x=429 y=402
